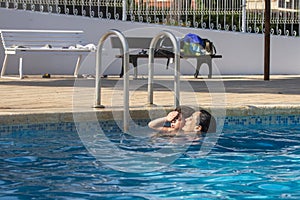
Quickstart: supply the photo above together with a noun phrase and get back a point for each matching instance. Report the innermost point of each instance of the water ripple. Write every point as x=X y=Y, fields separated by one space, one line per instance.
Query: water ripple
x=247 y=163
x=23 y=159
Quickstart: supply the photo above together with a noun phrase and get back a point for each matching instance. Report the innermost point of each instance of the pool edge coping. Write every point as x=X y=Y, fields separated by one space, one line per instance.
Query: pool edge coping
x=117 y=114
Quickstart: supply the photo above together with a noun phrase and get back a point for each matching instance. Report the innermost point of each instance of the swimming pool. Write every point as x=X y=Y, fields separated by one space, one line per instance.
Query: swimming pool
x=254 y=158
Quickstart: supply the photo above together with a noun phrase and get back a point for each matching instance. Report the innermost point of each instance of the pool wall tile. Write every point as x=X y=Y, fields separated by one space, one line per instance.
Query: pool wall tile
x=116 y=126
x=262 y=120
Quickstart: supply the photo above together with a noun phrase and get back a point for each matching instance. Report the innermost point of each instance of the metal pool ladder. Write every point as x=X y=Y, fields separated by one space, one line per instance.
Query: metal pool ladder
x=176 y=51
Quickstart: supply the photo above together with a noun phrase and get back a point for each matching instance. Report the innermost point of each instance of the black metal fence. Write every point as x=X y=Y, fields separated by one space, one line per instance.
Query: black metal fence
x=228 y=15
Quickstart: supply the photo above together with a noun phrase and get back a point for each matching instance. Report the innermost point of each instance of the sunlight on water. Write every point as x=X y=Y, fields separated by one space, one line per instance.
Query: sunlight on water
x=248 y=163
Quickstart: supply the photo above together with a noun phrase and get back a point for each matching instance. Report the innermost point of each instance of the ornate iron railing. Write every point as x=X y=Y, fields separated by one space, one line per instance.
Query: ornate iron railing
x=228 y=15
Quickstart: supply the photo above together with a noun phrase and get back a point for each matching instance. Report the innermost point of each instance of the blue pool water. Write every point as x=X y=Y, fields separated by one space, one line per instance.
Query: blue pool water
x=248 y=162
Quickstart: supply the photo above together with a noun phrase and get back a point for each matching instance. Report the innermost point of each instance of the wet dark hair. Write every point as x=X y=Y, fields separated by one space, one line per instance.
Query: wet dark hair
x=207 y=122
x=186 y=111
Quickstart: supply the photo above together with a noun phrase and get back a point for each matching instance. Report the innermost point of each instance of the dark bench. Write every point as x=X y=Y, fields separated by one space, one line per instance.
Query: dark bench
x=143 y=44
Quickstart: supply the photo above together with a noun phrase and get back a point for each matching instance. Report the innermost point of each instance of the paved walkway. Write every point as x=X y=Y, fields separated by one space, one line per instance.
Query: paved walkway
x=235 y=94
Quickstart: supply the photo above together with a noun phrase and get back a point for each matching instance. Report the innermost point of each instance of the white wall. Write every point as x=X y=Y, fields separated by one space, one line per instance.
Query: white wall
x=242 y=52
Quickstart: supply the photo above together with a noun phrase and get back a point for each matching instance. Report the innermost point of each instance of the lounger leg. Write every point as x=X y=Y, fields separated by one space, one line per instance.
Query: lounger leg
x=209 y=62
x=77 y=66
x=134 y=63
x=122 y=68
x=199 y=63
x=4 y=66
x=202 y=60
x=21 y=67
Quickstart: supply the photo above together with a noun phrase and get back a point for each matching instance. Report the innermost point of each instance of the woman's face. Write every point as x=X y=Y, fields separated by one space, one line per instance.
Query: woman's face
x=191 y=122
x=178 y=123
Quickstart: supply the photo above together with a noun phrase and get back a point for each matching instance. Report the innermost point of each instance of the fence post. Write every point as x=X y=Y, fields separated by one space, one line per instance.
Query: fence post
x=267 y=41
x=124 y=8
x=244 y=16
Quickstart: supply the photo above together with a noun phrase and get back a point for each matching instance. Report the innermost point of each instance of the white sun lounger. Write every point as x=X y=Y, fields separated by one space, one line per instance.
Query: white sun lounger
x=59 y=42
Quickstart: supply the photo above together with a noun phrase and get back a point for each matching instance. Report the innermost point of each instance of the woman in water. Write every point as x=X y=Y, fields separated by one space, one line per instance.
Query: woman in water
x=185 y=119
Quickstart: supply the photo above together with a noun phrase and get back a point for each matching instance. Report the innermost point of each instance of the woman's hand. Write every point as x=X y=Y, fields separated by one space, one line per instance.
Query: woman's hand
x=172 y=115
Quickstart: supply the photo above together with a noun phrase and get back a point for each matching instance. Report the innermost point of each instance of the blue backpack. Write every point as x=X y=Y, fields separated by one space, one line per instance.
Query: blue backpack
x=193 y=44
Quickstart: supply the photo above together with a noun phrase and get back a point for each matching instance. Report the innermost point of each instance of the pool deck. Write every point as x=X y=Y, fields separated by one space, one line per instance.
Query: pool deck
x=36 y=99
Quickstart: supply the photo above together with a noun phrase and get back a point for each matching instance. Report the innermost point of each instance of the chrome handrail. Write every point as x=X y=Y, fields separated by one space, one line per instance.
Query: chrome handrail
x=98 y=79
x=176 y=51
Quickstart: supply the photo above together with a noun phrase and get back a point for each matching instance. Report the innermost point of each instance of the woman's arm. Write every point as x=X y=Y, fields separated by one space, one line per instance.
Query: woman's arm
x=160 y=123
x=157 y=124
